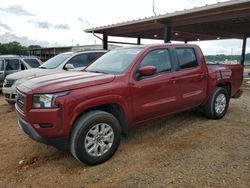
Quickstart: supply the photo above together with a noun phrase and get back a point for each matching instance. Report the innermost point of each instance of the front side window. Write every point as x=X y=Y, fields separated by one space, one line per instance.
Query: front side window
x=12 y=64
x=186 y=58
x=1 y=65
x=159 y=59
x=79 y=61
x=32 y=63
x=94 y=56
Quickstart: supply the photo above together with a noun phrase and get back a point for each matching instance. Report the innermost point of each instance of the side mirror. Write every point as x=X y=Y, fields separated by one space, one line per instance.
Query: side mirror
x=69 y=66
x=147 y=70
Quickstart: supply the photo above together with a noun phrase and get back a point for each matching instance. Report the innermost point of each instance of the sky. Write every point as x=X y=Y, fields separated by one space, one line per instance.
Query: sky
x=62 y=23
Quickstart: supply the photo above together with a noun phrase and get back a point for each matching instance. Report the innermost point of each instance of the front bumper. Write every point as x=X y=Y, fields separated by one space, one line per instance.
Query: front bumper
x=29 y=130
x=57 y=142
x=9 y=94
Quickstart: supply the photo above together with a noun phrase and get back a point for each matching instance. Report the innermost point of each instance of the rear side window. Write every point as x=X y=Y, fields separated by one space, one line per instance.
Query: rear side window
x=158 y=58
x=1 y=65
x=187 y=58
x=12 y=64
x=32 y=62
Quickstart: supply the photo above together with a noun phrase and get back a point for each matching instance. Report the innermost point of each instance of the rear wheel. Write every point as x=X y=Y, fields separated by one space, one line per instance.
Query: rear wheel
x=217 y=104
x=95 y=137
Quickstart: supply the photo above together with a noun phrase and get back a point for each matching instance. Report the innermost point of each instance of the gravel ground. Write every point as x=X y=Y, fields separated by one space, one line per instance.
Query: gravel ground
x=186 y=150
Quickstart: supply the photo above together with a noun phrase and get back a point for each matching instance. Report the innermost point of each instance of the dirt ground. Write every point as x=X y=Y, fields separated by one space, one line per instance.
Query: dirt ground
x=186 y=150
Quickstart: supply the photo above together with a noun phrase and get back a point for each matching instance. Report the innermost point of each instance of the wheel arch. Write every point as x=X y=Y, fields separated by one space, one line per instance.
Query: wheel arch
x=224 y=84
x=115 y=107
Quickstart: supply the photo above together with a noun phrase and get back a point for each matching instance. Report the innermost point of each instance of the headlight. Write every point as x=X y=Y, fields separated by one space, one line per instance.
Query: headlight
x=46 y=100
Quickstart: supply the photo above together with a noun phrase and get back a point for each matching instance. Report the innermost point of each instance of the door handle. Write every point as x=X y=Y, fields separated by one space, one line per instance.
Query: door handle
x=173 y=80
x=202 y=75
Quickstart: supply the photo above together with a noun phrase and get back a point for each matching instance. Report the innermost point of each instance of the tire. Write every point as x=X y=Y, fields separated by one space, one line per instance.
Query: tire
x=95 y=137
x=217 y=103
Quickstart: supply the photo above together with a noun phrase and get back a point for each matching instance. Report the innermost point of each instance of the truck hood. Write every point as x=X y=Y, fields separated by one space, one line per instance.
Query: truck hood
x=30 y=73
x=64 y=82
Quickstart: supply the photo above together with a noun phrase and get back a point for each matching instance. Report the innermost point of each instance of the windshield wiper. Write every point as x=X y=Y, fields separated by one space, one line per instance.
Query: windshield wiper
x=95 y=71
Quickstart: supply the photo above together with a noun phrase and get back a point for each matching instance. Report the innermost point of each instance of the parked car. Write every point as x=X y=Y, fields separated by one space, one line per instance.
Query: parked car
x=10 y=64
x=87 y=111
x=60 y=63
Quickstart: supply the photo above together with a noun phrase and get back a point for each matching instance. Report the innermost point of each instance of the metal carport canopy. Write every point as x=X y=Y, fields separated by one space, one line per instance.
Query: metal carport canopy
x=226 y=20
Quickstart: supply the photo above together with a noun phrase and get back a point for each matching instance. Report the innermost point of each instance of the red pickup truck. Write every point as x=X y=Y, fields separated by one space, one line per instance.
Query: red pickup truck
x=88 y=111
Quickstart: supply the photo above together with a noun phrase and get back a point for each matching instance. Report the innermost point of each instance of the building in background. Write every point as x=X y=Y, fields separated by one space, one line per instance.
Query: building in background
x=47 y=53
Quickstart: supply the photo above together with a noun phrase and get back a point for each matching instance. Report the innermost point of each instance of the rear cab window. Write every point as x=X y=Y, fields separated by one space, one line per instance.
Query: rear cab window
x=32 y=62
x=186 y=58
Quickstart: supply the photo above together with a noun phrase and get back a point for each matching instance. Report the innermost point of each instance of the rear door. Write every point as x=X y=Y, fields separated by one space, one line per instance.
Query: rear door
x=156 y=95
x=191 y=77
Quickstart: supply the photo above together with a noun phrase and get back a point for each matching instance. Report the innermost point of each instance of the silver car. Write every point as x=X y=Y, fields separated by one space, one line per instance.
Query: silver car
x=10 y=64
x=69 y=61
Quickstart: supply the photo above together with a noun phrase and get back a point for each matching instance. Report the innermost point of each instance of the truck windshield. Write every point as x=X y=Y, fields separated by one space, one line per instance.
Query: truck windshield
x=55 y=61
x=115 y=61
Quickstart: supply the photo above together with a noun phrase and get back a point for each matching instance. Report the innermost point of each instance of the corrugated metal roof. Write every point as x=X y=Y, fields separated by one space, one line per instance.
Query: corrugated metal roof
x=169 y=15
x=229 y=19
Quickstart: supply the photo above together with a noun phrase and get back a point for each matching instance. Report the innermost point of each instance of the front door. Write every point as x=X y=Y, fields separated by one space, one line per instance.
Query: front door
x=156 y=95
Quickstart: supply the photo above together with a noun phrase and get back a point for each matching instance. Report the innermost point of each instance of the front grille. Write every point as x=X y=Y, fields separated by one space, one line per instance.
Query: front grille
x=9 y=82
x=20 y=100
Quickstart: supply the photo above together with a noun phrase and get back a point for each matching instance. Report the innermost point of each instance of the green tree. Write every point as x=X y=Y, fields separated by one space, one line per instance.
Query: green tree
x=14 y=48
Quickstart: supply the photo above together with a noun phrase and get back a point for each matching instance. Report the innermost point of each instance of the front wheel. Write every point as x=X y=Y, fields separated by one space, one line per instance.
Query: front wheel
x=95 y=137
x=217 y=104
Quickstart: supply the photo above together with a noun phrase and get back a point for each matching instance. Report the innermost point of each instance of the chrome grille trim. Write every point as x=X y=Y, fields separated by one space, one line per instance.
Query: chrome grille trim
x=20 y=100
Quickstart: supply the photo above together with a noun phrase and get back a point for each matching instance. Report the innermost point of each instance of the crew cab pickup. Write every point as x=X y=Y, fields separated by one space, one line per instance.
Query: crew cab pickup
x=88 y=111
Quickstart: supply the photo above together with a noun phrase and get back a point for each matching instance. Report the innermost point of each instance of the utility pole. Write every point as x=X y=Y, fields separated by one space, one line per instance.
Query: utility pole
x=154 y=7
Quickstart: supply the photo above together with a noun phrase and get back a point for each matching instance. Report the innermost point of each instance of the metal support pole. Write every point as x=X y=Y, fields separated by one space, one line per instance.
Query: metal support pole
x=105 y=42
x=243 y=53
x=167 y=34
x=138 y=40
